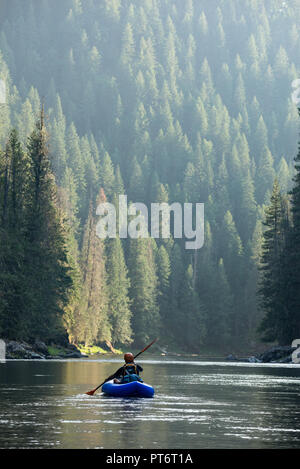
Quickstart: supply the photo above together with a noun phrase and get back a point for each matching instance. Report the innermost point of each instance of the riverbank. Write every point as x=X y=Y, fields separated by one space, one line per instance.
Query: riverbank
x=276 y=354
x=40 y=351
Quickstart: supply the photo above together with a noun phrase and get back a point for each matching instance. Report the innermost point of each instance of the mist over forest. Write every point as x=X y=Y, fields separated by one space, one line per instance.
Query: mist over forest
x=165 y=101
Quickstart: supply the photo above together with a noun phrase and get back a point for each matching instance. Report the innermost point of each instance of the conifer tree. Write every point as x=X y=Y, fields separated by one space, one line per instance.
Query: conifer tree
x=107 y=175
x=164 y=272
x=118 y=293
x=190 y=325
x=48 y=282
x=144 y=290
x=14 y=177
x=272 y=286
x=76 y=162
x=219 y=320
x=292 y=260
x=92 y=313
x=176 y=275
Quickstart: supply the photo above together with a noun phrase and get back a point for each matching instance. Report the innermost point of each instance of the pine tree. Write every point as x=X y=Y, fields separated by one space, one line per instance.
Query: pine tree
x=136 y=183
x=252 y=310
x=118 y=297
x=76 y=163
x=190 y=327
x=292 y=260
x=93 y=325
x=107 y=175
x=14 y=176
x=144 y=290
x=231 y=250
x=272 y=291
x=260 y=138
x=58 y=143
x=25 y=121
x=176 y=275
x=46 y=291
x=284 y=175
x=219 y=319
x=164 y=272
x=128 y=47
x=73 y=260
x=265 y=175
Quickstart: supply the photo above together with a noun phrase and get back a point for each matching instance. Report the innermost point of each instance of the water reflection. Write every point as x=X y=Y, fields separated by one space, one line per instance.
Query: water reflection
x=43 y=404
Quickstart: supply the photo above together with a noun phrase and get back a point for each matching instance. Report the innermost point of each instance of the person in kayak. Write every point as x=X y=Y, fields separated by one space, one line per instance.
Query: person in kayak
x=128 y=372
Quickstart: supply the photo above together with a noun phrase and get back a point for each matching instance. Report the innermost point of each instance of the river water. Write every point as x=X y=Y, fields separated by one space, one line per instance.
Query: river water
x=197 y=404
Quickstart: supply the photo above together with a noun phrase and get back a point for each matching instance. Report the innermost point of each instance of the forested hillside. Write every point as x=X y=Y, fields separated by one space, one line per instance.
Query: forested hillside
x=162 y=100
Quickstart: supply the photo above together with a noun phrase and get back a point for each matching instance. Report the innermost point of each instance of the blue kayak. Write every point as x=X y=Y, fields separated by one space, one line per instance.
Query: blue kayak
x=133 y=389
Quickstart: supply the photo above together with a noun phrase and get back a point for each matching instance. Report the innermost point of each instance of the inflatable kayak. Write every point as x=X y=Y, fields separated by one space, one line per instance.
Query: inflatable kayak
x=133 y=389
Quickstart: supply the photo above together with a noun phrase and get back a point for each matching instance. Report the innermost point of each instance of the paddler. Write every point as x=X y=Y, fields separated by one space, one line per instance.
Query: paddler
x=128 y=372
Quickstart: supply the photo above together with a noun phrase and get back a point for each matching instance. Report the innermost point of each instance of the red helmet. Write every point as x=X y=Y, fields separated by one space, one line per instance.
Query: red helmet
x=128 y=357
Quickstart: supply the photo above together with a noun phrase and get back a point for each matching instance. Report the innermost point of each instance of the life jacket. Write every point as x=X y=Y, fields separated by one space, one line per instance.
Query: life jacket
x=131 y=373
x=130 y=369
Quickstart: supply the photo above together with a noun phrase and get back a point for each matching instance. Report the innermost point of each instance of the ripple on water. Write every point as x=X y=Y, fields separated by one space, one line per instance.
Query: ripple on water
x=198 y=406
x=223 y=379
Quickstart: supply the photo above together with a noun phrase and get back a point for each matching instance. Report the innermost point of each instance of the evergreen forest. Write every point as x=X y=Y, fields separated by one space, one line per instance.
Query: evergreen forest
x=165 y=101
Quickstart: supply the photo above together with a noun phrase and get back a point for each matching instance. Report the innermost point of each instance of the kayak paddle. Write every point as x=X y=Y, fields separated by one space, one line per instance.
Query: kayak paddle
x=91 y=393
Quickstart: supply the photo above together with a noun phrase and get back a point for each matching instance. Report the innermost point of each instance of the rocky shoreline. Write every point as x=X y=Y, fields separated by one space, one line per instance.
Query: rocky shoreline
x=276 y=354
x=39 y=351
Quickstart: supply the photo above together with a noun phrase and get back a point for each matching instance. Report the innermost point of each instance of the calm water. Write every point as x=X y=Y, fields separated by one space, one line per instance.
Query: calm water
x=197 y=405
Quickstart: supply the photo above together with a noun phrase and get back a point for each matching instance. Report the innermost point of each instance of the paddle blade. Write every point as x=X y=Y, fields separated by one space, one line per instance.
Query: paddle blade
x=91 y=393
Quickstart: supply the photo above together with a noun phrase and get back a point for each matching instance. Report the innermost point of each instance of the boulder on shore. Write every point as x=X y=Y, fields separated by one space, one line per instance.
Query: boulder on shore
x=38 y=351
x=277 y=354
x=41 y=347
x=15 y=349
x=254 y=360
x=22 y=350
